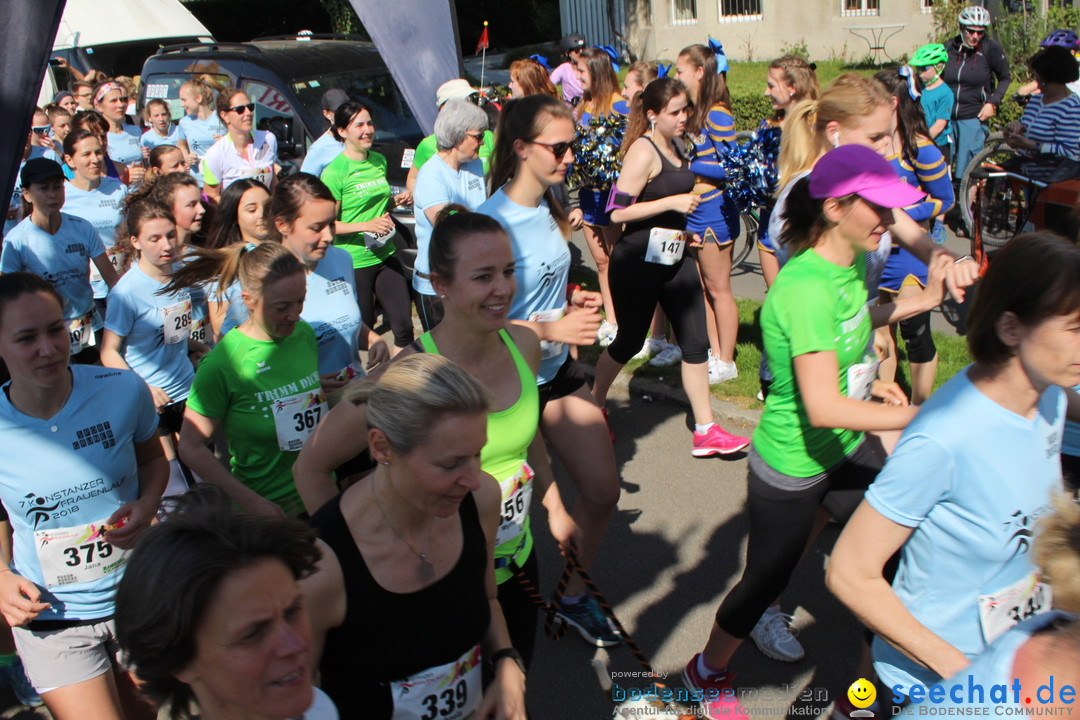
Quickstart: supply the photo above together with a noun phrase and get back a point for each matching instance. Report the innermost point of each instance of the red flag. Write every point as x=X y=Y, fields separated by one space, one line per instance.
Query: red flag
x=482 y=43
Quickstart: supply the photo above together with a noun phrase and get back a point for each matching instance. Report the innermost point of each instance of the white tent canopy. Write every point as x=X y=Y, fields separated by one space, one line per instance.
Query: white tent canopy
x=100 y=22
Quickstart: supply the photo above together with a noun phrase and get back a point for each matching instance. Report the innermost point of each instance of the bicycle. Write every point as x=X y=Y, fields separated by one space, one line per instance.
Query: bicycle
x=749 y=219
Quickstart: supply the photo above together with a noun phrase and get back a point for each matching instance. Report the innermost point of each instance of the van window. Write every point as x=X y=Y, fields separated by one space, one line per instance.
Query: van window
x=167 y=87
x=394 y=121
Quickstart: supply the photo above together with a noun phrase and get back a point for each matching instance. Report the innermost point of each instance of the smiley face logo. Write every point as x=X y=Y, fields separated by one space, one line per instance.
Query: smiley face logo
x=862 y=693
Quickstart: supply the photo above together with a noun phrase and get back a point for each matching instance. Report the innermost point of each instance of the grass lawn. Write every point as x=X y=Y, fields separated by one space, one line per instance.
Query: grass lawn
x=748 y=78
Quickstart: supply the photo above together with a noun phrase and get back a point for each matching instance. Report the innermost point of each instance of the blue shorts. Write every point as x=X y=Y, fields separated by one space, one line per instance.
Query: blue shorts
x=716 y=219
x=592 y=202
x=902 y=269
x=764 y=242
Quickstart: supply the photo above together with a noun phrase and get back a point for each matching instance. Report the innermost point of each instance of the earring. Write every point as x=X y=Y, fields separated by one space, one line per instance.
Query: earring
x=836 y=139
x=384 y=462
x=652 y=124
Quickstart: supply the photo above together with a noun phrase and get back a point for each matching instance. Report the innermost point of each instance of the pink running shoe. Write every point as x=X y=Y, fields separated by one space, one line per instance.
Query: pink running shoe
x=716 y=441
x=720 y=701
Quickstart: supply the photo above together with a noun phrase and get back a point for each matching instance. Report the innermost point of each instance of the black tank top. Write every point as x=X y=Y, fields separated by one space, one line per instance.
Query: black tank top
x=671 y=180
x=389 y=636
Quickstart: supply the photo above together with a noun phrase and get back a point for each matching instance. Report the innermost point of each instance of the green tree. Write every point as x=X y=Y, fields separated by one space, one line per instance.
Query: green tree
x=343 y=17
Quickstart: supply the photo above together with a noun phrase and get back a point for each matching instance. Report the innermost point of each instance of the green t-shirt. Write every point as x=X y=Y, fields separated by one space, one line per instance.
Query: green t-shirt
x=267 y=395
x=428 y=147
x=364 y=194
x=814 y=306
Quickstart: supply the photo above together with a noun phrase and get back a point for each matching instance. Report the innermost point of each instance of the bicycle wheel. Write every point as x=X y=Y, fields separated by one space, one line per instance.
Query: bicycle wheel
x=740 y=249
x=994 y=145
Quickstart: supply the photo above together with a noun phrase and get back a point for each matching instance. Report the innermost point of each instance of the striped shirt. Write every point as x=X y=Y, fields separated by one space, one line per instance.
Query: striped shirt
x=1055 y=127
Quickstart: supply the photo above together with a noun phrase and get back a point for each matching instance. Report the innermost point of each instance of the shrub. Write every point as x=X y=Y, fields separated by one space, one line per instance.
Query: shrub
x=750 y=109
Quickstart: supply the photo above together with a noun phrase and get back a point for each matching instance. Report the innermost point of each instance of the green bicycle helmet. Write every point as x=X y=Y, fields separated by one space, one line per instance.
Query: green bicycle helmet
x=929 y=55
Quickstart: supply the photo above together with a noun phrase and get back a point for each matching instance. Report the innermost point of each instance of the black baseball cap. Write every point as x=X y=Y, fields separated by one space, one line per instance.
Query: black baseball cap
x=40 y=170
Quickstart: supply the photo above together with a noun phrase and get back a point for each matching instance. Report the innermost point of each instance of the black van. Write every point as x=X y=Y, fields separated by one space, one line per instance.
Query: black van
x=286 y=77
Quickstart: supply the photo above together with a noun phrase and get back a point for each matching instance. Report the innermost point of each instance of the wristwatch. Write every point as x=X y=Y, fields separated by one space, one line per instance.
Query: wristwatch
x=508 y=653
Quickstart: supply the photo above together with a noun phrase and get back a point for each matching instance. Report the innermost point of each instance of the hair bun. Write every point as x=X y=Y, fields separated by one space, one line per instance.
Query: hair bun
x=813 y=66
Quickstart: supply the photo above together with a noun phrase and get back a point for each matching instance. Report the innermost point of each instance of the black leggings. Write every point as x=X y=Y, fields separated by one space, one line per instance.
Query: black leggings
x=780 y=524
x=519 y=610
x=386 y=282
x=636 y=287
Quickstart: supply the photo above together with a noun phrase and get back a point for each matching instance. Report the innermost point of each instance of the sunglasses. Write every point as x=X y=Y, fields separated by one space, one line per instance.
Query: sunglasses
x=239 y=109
x=973 y=31
x=558 y=149
x=478 y=136
x=40 y=129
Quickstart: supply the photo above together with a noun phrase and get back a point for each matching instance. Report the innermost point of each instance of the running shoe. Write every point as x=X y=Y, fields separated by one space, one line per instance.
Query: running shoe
x=651 y=347
x=775 y=637
x=726 y=705
x=607 y=332
x=15 y=676
x=670 y=355
x=717 y=441
x=588 y=619
x=720 y=371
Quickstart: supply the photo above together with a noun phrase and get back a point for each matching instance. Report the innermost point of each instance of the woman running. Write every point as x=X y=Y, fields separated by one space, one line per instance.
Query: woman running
x=473 y=269
x=200 y=127
x=224 y=633
x=715 y=220
x=111 y=100
x=601 y=99
x=97 y=199
x=60 y=248
x=533 y=149
x=148 y=331
x=920 y=163
x=357 y=178
x=241 y=152
x=260 y=383
x=412 y=546
x=974 y=470
x=240 y=218
x=653 y=197
x=454 y=175
x=810 y=448
x=83 y=477
x=300 y=216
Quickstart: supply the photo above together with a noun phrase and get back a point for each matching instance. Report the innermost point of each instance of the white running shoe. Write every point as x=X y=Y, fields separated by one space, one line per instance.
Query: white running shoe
x=669 y=355
x=651 y=347
x=720 y=371
x=775 y=637
x=607 y=332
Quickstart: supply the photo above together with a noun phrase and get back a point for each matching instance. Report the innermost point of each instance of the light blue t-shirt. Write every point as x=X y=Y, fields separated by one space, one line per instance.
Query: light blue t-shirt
x=236 y=312
x=139 y=315
x=937 y=104
x=36 y=151
x=332 y=311
x=970 y=478
x=200 y=136
x=976 y=683
x=542 y=266
x=438 y=184
x=69 y=471
x=1071 y=445
x=63 y=259
x=150 y=138
x=103 y=208
x=322 y=151
x=124 y=146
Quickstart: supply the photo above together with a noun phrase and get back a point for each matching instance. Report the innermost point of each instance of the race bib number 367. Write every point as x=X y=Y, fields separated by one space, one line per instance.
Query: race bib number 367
x=296 y=416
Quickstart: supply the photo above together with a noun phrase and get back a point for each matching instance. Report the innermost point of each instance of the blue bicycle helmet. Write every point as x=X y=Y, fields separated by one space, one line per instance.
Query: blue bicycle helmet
x=1061 y=38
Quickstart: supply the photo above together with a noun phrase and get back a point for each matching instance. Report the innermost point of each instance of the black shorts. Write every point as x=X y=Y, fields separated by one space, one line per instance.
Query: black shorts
x=171 y=418
x=566 y=382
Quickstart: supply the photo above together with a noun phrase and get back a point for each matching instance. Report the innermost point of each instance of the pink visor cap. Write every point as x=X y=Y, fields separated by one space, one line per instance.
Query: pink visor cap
x=858 y=170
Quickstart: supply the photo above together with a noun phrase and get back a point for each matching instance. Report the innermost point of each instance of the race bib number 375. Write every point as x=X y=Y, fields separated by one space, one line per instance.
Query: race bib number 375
x=76 y=554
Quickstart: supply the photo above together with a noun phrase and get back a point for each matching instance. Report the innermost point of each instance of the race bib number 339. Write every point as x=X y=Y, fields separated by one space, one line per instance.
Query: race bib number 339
x=447 y=692
x=76 y=554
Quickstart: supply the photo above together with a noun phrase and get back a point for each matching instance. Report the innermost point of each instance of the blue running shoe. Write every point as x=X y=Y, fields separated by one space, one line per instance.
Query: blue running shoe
x=589 y=620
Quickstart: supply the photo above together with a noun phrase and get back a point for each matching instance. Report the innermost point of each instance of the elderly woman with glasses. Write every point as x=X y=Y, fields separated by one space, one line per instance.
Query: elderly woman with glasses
x=454 y=175
x=977 y=71
x=241 y=152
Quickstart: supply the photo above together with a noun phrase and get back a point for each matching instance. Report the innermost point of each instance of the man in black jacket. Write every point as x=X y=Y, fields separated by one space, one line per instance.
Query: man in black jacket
x=978 y=73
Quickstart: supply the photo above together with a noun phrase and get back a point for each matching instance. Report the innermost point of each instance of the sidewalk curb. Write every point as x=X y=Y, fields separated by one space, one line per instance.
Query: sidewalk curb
x=656 y=390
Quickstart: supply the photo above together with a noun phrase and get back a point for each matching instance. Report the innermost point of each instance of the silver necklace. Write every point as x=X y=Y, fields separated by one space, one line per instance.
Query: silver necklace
x=425 y=571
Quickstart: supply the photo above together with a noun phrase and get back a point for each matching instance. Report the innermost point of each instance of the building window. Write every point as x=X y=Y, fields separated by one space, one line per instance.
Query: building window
x=738 y=10
x=683 y=12
x=926 y=7
x=853 y=8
